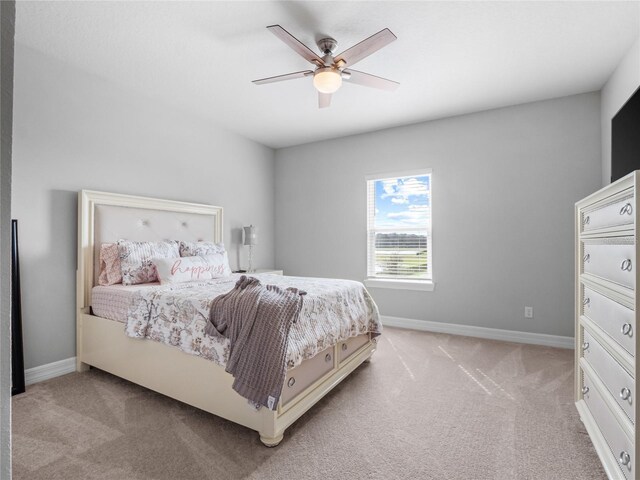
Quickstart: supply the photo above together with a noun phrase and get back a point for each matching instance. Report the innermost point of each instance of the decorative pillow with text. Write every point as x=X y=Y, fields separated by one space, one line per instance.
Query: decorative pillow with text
x=192 y=269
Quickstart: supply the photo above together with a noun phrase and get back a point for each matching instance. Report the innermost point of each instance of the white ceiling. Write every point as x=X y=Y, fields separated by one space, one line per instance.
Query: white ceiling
x=450 y=57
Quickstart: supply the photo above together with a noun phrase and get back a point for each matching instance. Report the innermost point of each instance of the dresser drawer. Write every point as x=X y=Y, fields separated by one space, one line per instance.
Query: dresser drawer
x=614 y=261
x=621 y=446
x=618 y=321
x=620 y=384
x=304 y=375
x=613 y=214
x=351 y=346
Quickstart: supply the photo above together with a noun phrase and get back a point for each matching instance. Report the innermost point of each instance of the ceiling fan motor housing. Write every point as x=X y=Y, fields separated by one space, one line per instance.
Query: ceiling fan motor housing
x=327 y=45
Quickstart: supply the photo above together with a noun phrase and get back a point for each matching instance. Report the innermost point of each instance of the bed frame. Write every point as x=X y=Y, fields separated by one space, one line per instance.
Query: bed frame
x=107 y=217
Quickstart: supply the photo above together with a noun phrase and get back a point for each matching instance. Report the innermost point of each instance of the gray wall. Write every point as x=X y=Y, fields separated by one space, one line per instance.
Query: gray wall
x=622 y=83
x=76 y=131
x=504 y=186
x=7 y=19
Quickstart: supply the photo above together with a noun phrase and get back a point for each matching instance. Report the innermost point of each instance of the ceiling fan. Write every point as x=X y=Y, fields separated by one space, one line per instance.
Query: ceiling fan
x=331 y=71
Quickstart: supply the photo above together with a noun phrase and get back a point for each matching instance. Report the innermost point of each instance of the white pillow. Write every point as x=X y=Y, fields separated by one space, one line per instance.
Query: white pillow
x=192 y=269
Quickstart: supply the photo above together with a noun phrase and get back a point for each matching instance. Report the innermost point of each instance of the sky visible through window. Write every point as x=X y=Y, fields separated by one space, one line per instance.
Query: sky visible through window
x=402 y=202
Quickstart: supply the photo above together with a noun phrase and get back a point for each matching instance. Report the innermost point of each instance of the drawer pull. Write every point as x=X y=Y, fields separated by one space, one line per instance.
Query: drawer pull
x=586 y=219
x=628 y=209
x=586 y=301
x=291 y=382
x=327 y=357
x=625 y=394
x=344 y=347
x=585 y=346
x=586 y=258
x=625 y=458
x=627 y=329
x=585 y=390
x=626 y=265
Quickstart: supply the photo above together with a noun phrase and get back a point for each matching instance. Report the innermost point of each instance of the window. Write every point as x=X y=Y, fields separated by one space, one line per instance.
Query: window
x=399 y=250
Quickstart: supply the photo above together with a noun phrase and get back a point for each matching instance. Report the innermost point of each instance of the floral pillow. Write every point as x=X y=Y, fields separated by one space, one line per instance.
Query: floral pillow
x=194 y=249
x=136 y=259
x=192 y=269
x=110 y=270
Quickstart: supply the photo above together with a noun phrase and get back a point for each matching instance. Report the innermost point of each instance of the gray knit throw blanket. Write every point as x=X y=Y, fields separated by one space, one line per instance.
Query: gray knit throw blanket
x=256 y=319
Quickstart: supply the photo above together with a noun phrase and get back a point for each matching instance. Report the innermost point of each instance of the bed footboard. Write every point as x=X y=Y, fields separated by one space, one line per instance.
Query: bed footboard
x=161 y=368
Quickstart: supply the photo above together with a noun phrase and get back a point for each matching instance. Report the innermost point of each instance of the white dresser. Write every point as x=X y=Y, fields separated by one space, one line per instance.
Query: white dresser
x=606 y=306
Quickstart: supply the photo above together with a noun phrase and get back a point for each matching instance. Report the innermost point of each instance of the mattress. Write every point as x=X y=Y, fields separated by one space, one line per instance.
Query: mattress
x=112 y=302
x=176 y=314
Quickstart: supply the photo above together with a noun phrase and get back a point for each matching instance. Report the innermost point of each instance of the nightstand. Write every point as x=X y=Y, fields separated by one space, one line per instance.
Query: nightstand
x=263 y=270
x=269 y=270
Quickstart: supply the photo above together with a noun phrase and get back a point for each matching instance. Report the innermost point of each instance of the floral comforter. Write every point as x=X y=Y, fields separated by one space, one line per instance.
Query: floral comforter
x=333 y=310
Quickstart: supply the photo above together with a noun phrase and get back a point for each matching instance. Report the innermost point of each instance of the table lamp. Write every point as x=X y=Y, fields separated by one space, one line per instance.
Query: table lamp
x=251 y=239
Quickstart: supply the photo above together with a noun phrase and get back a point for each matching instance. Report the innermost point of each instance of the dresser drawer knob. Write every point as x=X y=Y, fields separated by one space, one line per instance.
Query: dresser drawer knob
x=586 y=219
x=625 y=458
x=627 y=329
x=291 y=382
x=585 y=346
x=628 y=209
x=626 y=265
x=585 y=390
x=586 y=301
x=586 y=258
x=344 y=347
x=327 y=357
x=625 y=394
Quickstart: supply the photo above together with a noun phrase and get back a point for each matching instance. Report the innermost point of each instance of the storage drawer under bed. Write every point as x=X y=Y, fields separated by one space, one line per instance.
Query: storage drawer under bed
x=308 y=372
x=303 y=376
x=351 y=346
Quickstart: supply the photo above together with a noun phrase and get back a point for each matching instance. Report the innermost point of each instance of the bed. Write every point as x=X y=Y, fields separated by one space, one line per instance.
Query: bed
x=192 y=379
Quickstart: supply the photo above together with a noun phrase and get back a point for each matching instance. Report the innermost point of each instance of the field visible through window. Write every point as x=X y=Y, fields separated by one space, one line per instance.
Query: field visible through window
x=401 y=255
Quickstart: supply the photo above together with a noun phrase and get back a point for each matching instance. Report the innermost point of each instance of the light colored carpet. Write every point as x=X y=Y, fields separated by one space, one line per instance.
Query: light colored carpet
x=428 y=406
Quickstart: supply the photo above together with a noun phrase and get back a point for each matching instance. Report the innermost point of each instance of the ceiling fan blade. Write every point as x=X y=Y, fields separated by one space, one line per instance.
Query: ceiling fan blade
x=286 y=76
x=368 y=80
x=324 y=99
x=296 y=45
x=366 y=47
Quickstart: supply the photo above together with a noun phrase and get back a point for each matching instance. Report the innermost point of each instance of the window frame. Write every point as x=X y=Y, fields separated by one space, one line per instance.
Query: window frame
x=405 y=283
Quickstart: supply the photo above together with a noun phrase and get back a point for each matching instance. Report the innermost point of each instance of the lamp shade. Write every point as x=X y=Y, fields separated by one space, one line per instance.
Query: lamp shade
x=250 y=235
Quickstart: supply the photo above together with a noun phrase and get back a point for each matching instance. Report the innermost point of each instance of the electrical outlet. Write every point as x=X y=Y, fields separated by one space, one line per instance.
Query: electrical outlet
x=528 y=312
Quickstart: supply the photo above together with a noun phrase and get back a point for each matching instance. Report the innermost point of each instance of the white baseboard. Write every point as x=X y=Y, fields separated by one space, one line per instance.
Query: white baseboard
x=480 y=332
x=50 y=370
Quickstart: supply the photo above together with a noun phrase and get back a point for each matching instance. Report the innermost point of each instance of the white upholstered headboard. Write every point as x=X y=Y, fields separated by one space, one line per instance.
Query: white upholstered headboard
x=107 y=217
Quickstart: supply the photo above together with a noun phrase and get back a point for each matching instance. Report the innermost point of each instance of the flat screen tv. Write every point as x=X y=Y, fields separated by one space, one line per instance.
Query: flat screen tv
x=625 y=138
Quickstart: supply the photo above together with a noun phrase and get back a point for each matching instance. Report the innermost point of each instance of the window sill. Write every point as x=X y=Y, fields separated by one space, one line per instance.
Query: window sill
x=423 y=285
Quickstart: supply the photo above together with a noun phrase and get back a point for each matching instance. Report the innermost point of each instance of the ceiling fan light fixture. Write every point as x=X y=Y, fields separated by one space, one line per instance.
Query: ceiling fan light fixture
x=327 y=80
x=330 y=72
